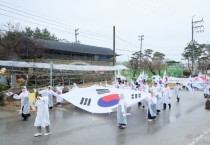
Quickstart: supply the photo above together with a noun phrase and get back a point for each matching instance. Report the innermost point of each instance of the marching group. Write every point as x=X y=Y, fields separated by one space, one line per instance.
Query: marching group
x=158 y=94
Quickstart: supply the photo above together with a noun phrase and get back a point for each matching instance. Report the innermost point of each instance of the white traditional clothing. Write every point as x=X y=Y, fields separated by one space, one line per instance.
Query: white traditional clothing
x=166 y=92
x=177 y=90
x=25 y=105
x=75 y=86
x=51 y=93
x=152 y=111
x=207 y=91
x=59 y=91
x=122 y=112
x=157 y=92
x=42 y=117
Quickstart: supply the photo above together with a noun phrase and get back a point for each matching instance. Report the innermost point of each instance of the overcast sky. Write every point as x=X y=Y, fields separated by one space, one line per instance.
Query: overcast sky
x=165 y=24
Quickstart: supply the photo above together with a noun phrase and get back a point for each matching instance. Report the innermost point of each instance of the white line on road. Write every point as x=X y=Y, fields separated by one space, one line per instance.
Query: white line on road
x=200 y=136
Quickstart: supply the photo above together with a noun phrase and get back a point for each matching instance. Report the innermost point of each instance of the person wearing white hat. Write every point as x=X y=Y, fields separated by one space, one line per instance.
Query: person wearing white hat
x=152 y=101
x=122 y=112
x=51 y=93
x=166 y=93
x=59 y=91
x=42 y=117
x=157 y=91
x=25 y=105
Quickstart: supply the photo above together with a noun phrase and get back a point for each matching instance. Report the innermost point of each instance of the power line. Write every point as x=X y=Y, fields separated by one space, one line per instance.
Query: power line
x=88 y=33
x=165 y=11
x=80 y=35
x=36 y=23
x=52 y=20
x=148 y=9
x=129 y=44
x=48 y=22
x=30 y=17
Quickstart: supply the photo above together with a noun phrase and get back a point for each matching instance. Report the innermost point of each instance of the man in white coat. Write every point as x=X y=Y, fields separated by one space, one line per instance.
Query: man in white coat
x=166 y=92
x=42 y=118
x=25 y=105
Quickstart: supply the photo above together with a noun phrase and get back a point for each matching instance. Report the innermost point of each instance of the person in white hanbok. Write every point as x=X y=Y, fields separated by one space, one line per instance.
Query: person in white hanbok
x=142 y=103
x=157 y=91
x=206 y=91
x=166 y=92
x=51 y=93
x=42 y=117
x=151 y=101
x=59 y=91
x=177 y=90
x=122 y=112
x=25 y=105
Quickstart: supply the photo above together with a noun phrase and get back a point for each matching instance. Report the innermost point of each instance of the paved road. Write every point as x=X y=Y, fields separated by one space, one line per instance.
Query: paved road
x=187 y=123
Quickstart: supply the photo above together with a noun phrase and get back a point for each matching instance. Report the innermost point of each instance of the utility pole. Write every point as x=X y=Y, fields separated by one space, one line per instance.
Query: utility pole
x=76 y=34
x=199 y=29
x=140 y=53
x=113 y=45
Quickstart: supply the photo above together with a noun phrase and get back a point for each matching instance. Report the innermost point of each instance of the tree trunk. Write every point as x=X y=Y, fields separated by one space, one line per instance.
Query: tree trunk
x=134 y=73
x=188 y=64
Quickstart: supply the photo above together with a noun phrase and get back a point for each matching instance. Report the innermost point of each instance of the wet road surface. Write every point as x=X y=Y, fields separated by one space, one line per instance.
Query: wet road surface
x=187 y=123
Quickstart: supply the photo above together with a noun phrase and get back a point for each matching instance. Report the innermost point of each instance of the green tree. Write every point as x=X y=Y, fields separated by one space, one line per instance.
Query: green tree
x=15 y=43
x=28 y=32
x=193 y=54
x=135 y=63
x=204 y=59
x=10 y=40
x=151 y=61
x=39 y=34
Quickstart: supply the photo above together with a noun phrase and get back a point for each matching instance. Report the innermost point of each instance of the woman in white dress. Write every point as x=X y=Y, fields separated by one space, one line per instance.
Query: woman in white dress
x=42 y=118
x=122 y=112
x=152 y=101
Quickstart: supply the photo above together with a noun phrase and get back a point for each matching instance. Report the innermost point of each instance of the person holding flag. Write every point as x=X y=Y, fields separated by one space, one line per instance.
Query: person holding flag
x=165 y=77
x=25 y=105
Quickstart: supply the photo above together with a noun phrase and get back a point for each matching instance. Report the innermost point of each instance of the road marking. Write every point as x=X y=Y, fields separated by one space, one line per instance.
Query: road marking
x=200 y=136
x=62 y=109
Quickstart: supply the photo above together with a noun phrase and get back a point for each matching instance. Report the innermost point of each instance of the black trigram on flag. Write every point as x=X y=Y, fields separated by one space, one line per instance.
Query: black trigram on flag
x=85 y=101
x=135 y=96
x=102 y=91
